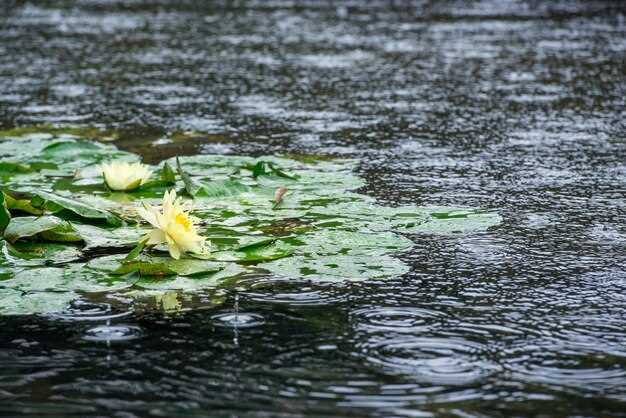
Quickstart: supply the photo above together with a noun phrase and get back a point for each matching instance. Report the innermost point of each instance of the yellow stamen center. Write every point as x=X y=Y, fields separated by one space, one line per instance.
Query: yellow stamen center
x=181 y=219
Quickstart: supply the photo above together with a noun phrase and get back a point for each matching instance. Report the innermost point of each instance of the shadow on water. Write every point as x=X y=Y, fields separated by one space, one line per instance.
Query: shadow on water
x=512 y=106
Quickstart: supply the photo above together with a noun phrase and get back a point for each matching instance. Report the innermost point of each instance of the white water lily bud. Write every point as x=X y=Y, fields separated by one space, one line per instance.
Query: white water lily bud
x=173 y=226
x=123 y=176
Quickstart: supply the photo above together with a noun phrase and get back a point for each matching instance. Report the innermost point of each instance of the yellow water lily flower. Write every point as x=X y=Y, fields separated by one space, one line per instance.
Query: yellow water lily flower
x=123 y=176
x=174 y=226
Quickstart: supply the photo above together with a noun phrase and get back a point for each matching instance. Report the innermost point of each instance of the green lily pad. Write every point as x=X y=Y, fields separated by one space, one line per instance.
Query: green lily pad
x=55 y=203
x=15 y=302
x=205 y=280
x=348 y=267
x=5 y=216
x=222 y=188
x=442 y=221
x=321 y=231
x=8 y=167
x=107 y=237
x=49 y=228
x=165 y=266
x=44 y=253
x=20 y=203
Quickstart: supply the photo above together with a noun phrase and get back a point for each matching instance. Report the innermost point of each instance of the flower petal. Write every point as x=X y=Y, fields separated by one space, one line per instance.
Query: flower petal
x=148 y=215
x=156 y=237
x=173 y=248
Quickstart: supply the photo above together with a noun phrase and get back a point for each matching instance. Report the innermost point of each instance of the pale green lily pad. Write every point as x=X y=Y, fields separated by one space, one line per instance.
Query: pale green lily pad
x=101 y=237
x=43 y=253
x=441 y=221
x=37 y=279
x=348 y=267
x=53 y=202
x=206 y=280
x=165 y=266
x=49 y=228
x=15 y=302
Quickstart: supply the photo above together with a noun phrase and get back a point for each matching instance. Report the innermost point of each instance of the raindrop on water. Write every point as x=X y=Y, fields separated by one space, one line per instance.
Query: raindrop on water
x=111 y=333
x=238 y=319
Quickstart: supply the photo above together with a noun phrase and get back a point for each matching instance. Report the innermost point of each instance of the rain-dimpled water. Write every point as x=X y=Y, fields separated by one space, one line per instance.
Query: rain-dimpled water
x=512 y=111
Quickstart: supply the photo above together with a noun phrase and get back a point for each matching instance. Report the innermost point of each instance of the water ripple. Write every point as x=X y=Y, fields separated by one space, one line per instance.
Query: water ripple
x=404 y=319
x=296 y=294
x=88 y=311
x=113 y=333
x=439 y=361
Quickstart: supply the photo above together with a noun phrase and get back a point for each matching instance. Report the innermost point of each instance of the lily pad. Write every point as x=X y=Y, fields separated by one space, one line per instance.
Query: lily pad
x=48 y=228
x=320 y=231
x=15 y=302
x=442 y=221
x=20 y=203
x=55 y=203
x=165 y=266
x=5 y=216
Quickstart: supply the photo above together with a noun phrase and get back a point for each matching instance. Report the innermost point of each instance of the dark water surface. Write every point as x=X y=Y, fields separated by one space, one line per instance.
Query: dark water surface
x=512 y=106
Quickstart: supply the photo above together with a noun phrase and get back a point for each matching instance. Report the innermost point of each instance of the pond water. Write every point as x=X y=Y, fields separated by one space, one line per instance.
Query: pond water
x=515 y=107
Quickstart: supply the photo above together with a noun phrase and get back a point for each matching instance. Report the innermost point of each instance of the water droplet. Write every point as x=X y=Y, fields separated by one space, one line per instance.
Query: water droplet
x=238 y=320
x=108 y=333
